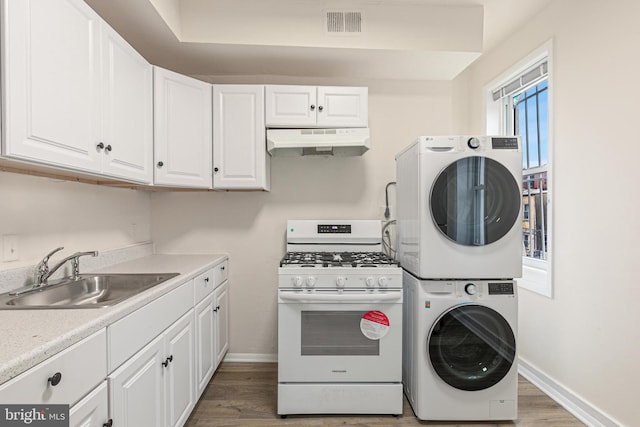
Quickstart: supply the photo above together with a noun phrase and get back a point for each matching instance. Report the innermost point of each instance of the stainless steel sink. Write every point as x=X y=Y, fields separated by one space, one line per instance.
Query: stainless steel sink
x=88 y=291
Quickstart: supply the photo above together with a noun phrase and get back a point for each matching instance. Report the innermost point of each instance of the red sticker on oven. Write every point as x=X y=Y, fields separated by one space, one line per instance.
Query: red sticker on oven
x=374 y=325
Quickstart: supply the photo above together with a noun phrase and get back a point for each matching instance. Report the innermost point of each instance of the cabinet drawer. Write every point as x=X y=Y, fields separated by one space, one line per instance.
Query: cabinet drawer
x=80 y=367
x=133 y=332
x=204 y=284
x=92 y=410
x=221 y=272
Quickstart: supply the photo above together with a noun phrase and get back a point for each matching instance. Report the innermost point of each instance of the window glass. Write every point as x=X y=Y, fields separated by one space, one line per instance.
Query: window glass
x=532 y=132
x=543 y=123
x=531 y=122
x=521 y=129
x=520 y=103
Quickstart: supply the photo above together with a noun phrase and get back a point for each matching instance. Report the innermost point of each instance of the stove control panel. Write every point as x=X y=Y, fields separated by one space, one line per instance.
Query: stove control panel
x=324 y=279
x=334 y=228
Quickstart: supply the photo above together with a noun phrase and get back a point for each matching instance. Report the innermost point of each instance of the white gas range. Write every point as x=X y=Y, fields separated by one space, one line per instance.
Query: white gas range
x=339 y=321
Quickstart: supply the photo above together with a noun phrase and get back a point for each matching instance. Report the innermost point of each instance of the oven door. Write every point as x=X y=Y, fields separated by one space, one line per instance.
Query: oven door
x=351 y=336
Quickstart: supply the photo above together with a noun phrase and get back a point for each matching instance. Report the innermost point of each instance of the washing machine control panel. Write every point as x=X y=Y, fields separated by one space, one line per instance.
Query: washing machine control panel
x=501 y=288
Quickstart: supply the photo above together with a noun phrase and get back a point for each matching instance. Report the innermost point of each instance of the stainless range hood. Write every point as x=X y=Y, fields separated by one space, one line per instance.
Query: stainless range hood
x=318 y=142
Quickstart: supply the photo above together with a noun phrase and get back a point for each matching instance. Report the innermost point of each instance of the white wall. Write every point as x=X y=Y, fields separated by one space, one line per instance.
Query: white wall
x=251 y=226
x=44 y=213
x=587 y=338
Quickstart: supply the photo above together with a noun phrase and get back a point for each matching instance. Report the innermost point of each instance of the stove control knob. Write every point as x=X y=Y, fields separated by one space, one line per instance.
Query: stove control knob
x=311 y=282
x=340 y=282
x=470 y=289
x=369 y=282
x=382 y=282
x=297 y=281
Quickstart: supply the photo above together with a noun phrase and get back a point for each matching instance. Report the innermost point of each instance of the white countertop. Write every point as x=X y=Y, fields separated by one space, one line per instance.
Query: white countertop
x=28 y=337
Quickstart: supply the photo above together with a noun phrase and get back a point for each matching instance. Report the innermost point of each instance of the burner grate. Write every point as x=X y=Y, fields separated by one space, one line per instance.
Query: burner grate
x=337 y=259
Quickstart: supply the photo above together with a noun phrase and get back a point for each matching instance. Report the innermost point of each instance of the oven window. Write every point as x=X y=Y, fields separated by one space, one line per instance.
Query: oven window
x=335 y=333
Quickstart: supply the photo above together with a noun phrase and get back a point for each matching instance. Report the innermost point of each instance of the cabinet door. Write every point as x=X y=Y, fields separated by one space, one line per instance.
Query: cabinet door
x=51 y=60
x=205 y=343
x=179 y=371
x=239 y=138
x=222 y=321
x=127 y=119
x=289 y=106
x=183 y=134
x=136 y=389
x=92 y=411
x=343 y=106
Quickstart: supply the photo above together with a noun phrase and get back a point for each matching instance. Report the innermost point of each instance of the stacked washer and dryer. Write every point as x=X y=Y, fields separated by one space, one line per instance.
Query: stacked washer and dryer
x=459 y=244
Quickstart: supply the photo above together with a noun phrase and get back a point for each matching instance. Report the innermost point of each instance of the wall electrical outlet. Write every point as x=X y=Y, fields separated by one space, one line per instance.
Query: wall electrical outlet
x=10 y=247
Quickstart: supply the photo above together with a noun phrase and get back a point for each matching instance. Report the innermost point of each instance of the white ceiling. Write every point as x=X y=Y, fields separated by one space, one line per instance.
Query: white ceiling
x=418 y=40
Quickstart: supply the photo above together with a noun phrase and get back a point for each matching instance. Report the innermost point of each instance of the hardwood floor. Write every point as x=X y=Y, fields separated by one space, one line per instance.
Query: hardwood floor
x=244 y=395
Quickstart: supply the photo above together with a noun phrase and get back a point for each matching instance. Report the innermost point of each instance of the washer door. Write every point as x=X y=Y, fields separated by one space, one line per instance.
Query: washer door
x=475 y=201
x=471 y=347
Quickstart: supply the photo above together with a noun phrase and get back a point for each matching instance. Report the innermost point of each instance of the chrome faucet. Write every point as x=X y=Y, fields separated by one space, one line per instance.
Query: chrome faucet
x=42 y=272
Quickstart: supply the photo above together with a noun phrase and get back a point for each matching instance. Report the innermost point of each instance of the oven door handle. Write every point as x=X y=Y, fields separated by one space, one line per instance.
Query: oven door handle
x=360 y=297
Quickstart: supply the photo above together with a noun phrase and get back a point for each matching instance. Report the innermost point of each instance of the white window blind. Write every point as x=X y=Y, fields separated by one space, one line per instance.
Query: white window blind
x=529 y=77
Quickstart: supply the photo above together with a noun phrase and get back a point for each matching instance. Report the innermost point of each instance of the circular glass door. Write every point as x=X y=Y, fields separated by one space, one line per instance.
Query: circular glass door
x=471 y=347
x=475 y=201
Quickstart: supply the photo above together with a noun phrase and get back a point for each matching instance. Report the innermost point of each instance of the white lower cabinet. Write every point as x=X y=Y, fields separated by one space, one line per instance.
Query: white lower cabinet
x=92 y=410
x=179 y=371
x=155 y=388
x=112 y=378
x=136 y=389
x=221 y=295
x=63 y=378
x=212 y=328
x=205 y=343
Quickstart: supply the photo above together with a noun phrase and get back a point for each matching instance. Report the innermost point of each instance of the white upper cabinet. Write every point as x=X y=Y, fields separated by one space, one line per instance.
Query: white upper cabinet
x=127 y=114
x=291 y=105
x=51 y=66
x=316 y=106
x=240 y=160
x=183 y=132
x=71 y=86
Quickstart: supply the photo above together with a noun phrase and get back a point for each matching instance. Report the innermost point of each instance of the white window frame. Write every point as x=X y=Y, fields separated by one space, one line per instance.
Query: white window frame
x=536 y=274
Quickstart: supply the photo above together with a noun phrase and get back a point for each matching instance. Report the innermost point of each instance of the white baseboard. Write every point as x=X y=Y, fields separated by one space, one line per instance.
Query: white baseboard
x=580 y=408
x=250 y=357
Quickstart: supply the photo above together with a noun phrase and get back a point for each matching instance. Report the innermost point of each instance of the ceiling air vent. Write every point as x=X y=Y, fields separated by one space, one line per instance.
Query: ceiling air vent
x=344 y=22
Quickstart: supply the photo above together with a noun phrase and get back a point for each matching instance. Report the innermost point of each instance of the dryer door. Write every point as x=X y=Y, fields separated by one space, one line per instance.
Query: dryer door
x=475 y=201
x=471 y=347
